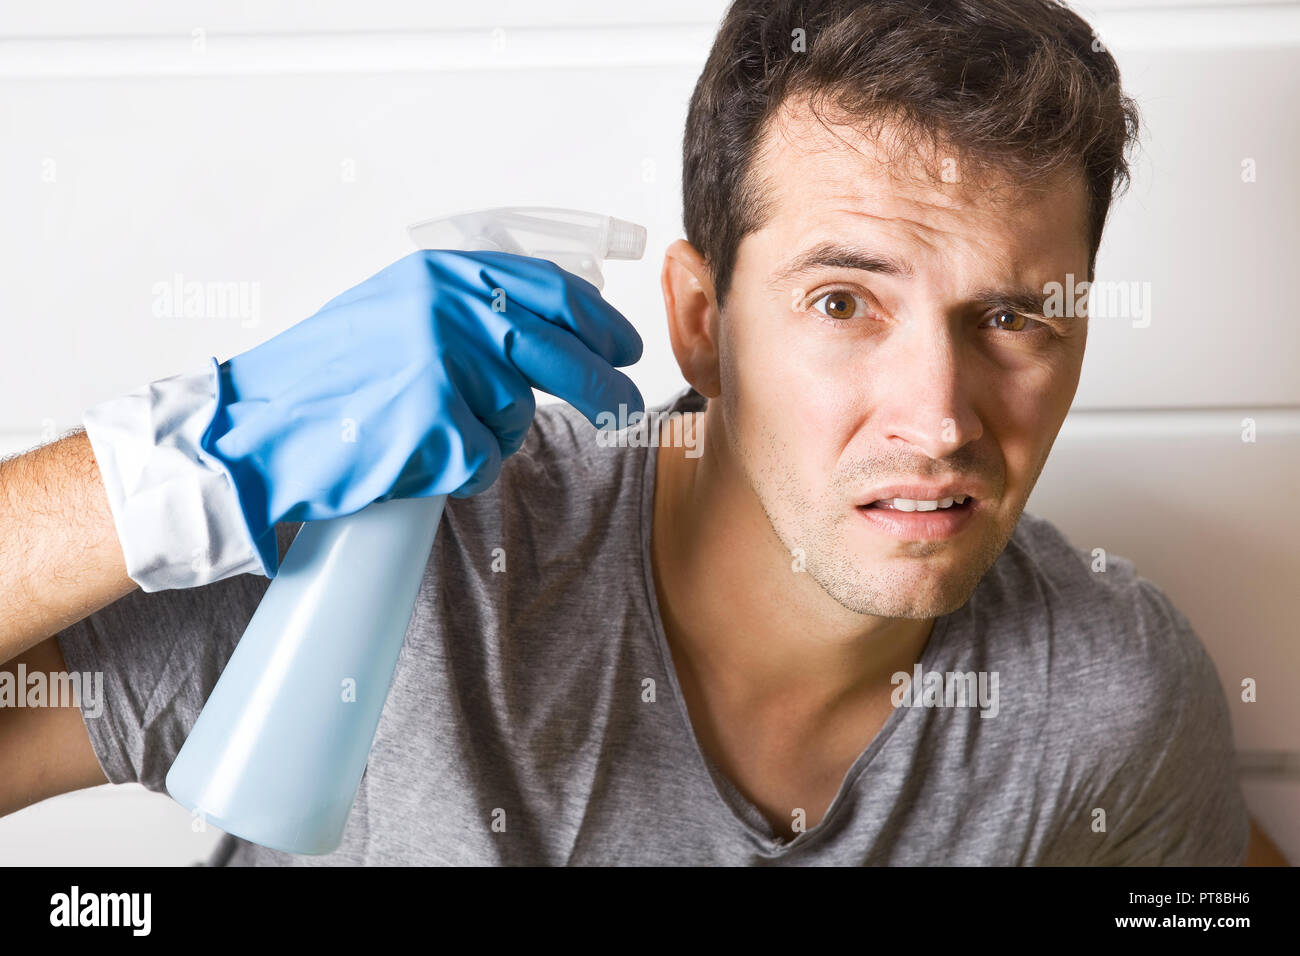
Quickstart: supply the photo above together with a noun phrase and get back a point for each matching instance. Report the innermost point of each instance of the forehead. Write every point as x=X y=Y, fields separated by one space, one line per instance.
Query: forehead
x=818 y=177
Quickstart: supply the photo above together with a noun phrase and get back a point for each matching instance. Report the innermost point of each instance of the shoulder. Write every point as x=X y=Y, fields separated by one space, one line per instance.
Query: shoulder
x=560 y=459
x=556 y=499
x=1098 y=603
x=1124 y=666
x=568 y=461
x=1132 y=717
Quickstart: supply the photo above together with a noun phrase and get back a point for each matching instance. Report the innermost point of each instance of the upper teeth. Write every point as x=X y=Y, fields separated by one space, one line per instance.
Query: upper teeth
x=912 y=504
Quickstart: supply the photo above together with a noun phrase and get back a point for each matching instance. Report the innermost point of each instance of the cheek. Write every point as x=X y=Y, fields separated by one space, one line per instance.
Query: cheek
x=791 y=400
x=1024 y=411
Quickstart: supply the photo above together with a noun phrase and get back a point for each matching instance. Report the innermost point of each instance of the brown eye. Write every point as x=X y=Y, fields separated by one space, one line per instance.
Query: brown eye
x=1009 y=321
x=838 y=305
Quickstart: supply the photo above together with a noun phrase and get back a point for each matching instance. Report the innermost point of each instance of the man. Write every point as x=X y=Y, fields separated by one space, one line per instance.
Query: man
x=802 y=621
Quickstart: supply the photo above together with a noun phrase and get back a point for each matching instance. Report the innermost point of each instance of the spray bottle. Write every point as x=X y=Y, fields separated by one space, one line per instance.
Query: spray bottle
x=277 y=753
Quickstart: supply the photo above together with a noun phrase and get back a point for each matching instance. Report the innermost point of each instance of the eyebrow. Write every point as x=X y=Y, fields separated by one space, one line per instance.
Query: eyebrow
x=1026 y=301
x=838 y=255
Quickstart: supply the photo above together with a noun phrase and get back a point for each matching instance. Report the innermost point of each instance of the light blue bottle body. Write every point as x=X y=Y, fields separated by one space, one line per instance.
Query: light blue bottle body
x=278 y=751
x=277 y=754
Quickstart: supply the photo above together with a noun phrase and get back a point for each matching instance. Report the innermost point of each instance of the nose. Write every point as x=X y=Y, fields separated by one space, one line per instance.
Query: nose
x=925 y=401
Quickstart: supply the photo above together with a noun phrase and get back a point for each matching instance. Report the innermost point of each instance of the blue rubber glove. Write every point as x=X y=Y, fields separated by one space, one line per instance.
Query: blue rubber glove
x=416 y=382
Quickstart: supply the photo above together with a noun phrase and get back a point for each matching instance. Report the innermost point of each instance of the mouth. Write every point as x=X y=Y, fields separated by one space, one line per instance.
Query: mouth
x=920 y=520
x=913 y=504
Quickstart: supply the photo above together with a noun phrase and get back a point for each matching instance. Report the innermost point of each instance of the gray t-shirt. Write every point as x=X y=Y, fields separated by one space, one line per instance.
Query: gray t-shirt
x=521 y=696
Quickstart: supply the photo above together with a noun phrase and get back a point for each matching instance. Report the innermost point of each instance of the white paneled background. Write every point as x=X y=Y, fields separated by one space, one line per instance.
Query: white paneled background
x=289 y=145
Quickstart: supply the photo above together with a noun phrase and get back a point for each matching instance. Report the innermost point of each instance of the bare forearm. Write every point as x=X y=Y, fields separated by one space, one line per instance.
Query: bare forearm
x=59 y=555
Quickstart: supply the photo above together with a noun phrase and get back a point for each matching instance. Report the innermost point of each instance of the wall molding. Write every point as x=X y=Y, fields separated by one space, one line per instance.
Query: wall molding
x=1274 y=764
x=205 y=53
x=213 y=51
x=1272 y=421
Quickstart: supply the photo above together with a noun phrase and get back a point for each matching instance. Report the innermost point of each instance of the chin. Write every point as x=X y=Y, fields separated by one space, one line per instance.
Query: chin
x=899 y=587
x=911 y=607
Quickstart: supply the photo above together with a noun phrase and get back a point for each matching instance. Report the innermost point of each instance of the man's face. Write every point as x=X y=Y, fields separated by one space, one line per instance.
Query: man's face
x=838 y=381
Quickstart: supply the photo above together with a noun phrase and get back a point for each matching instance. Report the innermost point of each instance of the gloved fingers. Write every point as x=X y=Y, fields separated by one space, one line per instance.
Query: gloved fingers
x=511 y=423
x=564 y=300
x=556 y=362
x=498 y=395
x=479 y=455
x=460 y=456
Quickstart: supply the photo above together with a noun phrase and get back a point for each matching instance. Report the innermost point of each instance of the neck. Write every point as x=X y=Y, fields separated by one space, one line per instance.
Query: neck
x=733 y=606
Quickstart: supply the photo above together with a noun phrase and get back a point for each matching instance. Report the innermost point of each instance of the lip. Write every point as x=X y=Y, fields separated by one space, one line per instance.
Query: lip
x=923 y=492
x=938 y=525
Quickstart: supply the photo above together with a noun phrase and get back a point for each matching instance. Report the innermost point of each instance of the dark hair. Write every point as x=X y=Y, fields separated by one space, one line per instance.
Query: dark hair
x=1017 y=86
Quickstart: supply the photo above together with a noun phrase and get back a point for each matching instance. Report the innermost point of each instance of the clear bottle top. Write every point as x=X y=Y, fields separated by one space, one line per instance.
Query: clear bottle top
x=574 y=240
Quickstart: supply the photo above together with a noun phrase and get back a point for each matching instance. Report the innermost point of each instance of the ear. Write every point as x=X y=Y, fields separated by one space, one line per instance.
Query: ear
x=692 y=316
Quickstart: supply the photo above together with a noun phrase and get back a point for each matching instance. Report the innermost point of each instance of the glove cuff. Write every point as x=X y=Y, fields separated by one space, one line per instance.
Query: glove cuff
x=175 y=506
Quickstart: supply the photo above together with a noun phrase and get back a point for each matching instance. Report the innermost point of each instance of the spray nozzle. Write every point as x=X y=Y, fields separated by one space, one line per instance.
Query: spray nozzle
x=626 y=240
x=572 y=239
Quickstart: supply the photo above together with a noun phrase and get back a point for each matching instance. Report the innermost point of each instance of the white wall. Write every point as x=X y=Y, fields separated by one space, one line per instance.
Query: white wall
x=256 y=142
